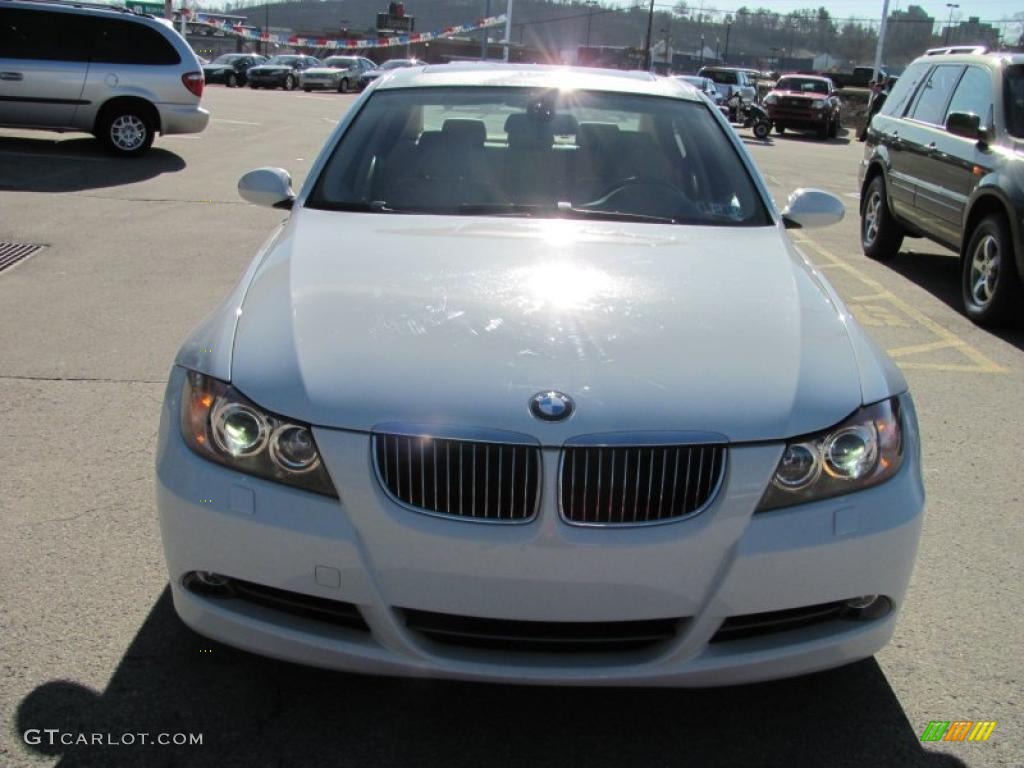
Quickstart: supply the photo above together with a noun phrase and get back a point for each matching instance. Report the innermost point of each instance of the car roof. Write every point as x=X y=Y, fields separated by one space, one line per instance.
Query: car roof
x=820 y=78
x=994 y=59
x=475 y=74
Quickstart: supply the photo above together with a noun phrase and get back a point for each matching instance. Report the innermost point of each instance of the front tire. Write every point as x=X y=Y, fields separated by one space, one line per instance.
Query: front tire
x=835 y=127
x=289 y=83
x=880 y=235
x=989 y=278
x=232 y=80
x=343 y=86
x=825 y=130
x=761 y=130
x=780 y=129
x=127 y=131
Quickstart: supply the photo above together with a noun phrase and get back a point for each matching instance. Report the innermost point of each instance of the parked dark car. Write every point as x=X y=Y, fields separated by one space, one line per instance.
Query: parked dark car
x=231 y=69
x=707 y=86
x=944 y=159
x=371 y=75
x=281 y=71
x=806 y=103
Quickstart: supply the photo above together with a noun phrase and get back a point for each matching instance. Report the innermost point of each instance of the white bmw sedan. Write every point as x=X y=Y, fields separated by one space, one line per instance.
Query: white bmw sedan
x=532 y=386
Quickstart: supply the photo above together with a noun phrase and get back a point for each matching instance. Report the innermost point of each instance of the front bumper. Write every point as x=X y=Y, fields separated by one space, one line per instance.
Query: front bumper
x=798 y=118
x=320 y=83
x=268 y=81
x=179 y=118
x=724 y=562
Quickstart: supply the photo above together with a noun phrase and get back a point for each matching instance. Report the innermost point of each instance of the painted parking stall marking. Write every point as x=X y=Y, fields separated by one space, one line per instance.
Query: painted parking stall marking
x=894 y=323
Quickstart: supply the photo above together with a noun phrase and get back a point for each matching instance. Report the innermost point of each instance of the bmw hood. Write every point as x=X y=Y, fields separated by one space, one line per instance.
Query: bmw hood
x=354 y=320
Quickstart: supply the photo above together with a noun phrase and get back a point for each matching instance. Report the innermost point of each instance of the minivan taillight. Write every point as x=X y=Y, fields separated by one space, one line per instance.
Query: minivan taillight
x=194 y=82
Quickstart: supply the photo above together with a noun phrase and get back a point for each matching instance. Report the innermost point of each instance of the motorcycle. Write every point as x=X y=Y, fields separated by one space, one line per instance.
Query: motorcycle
x=751 y=115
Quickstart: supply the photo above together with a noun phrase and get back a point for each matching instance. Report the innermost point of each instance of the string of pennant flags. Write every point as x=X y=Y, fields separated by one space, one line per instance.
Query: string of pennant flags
x=345 y=45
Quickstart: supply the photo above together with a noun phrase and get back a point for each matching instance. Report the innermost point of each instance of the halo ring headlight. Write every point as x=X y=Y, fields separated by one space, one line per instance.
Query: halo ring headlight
x=293 y=449
x=238 y=429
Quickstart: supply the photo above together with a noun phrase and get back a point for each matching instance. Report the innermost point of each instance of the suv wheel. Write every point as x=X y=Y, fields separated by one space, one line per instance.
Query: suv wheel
x=127 y=131
x=289 y=83
x=232 y=80
x=989 y=273
x=825 y=129
x=780 y=129
x=343 y=86
x=835 y=127
x=880 y=235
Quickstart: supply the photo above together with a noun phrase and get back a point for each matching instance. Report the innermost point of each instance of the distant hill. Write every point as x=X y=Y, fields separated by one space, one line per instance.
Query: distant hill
x=537 y=23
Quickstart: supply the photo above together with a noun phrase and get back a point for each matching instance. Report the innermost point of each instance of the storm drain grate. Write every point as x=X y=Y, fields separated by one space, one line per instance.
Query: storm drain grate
x=12 y=253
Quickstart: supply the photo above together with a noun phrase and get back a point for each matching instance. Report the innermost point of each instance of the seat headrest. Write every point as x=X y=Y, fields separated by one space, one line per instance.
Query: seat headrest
x=471 y=132
x=526 y=133
x=596 y=135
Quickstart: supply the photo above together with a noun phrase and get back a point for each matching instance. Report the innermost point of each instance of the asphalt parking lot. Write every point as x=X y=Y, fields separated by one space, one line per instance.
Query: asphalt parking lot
x=137 y=252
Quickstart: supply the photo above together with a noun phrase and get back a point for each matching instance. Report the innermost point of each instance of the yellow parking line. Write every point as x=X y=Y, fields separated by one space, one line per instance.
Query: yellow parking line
x=929 y=347
x=982 y=363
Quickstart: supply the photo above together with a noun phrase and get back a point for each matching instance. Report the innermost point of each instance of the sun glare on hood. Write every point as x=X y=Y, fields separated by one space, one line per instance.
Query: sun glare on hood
x=565 y=285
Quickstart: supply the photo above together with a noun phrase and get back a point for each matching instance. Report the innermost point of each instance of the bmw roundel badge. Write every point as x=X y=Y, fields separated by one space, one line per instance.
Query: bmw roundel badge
x=551 y=406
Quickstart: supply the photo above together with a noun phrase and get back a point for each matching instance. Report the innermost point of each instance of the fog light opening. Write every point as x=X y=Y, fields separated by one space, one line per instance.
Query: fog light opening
x=207 y=583
x=867 y=607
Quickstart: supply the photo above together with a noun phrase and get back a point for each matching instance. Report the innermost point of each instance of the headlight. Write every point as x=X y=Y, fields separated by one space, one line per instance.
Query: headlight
x=221 y=425
x=865 y=450
x=771 y=98
x=818 y=104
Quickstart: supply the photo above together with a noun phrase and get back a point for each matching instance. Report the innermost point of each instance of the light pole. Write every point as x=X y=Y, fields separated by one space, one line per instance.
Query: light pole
x=647 y=38
x=590 y=16
x=728 y=29
x=266 y=26
x=484 y=40
x=508 y=29
x=949 y=23
x=881 y=41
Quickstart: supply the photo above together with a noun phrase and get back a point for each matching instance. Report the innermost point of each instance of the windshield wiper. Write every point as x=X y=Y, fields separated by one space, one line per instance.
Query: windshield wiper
x=563 y=210
x=376 y=206
x=593 y=213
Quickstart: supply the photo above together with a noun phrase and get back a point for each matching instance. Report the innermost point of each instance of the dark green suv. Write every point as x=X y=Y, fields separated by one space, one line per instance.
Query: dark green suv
x=945 y=160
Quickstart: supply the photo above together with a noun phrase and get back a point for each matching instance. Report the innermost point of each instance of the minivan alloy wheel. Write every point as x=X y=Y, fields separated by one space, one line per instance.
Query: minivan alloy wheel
x=128 y=132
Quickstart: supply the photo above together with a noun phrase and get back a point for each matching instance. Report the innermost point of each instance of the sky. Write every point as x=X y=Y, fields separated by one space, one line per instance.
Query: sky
x=842 y=9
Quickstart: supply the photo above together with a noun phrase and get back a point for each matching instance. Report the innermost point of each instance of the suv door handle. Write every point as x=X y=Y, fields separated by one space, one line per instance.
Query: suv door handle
x=11 y=76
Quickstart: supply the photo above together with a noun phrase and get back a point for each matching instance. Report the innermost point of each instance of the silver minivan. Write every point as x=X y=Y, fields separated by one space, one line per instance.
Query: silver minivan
x=119 y=75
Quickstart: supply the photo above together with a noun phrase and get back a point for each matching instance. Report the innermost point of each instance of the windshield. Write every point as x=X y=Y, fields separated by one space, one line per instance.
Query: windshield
x=227 y=58
x=341 y=62
x=724 y=78
x=524 y=152
x=289 y=60
x=397 y=64
x=804 y=84
x=1015 y=100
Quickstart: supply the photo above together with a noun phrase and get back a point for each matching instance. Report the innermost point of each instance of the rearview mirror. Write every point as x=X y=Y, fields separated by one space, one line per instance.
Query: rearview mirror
x=966 y=125
x=267 y=186
x=812 y=208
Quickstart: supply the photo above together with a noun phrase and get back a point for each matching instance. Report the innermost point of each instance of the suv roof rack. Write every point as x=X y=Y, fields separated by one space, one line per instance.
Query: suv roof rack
x=90 y=5
x=974 y=49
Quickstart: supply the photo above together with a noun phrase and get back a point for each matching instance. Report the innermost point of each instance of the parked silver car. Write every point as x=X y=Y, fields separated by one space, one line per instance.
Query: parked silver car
x=337 y=73
x=119 y=75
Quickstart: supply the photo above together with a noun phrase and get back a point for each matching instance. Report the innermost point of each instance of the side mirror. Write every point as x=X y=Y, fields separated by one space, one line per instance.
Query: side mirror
x=267 y=186
x=812 y=208
x=967 y=125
